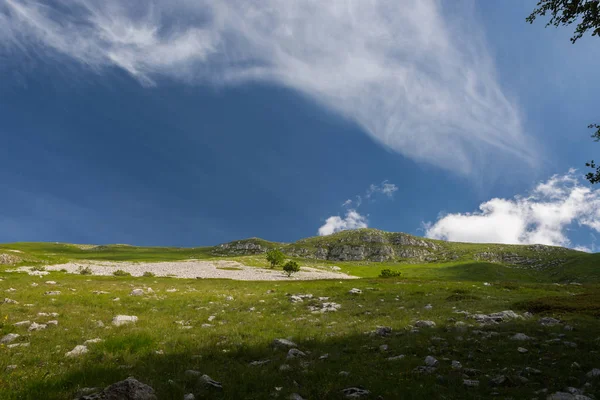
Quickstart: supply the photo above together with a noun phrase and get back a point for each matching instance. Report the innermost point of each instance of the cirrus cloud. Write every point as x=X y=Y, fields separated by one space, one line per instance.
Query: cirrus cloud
x=419 y=79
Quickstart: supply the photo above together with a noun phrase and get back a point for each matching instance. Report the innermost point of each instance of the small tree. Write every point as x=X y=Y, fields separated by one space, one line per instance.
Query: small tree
x=291 y=267
x=275 y=257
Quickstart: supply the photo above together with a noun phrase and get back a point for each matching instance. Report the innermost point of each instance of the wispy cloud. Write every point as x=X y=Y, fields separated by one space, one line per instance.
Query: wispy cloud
x=419 y=79
x=543 y=216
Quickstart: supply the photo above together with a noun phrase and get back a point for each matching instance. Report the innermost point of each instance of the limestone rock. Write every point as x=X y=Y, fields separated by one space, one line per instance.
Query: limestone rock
x=11 y=337
x=124 y=319
x=129 y=389
x=77 y=351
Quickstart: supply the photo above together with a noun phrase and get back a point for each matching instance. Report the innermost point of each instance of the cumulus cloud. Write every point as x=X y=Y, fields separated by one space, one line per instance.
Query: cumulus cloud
x=418 y=78
x=352 y=220
x=543 y=216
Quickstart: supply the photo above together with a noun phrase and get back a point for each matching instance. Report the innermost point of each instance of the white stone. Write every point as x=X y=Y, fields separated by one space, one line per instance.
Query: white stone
x=77 y=351
x=37 y=327
x=124 y=319
x=9 y=338
x=137 y=292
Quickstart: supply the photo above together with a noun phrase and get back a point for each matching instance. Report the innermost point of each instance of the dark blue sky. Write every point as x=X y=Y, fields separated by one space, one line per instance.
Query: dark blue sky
x=95 y=154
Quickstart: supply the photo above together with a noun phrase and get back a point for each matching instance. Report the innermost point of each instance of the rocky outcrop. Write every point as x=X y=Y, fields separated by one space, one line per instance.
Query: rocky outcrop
x=241 y=247
x=9 y=259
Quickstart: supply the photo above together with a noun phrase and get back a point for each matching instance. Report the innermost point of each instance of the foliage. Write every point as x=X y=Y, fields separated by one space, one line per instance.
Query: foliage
x=594 y=177
x=291 y=267
x=275 y=257
x=84 y=270
x=388 y=273
x=148 y=274
x=120 y=272
x=38 y=268
x=566 y=12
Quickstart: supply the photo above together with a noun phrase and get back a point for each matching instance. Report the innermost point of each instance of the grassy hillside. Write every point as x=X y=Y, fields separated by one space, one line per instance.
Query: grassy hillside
x=362 y=252
x=226 y=329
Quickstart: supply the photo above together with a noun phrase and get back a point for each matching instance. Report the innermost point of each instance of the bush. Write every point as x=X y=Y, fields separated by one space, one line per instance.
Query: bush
x=275 y=257
x=38 y=268
x=291 y=267
x=148 y=274
x=63 y=270
x=388 y=273
x=84 y=270
x=120 y=272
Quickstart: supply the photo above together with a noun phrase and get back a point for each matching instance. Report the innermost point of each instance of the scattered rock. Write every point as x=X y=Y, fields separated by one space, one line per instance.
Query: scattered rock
x=548 y=321
x=428 y=307
x=495 y=318
x=456 y=365
x=137 y=292
x=189 y=396
x=124 y=319
x=395 y=358
x=355 y=392
x=11 y=337
x=10 y=301
x=383 y=331
x=259 y=362
x=92 y=341
x=37 y=327
x=354 y=291
x=22 y=323
x=295 y=396
x=11 y=367
x=520 y=337
x=211 y=318
x=77 y=351
x=50 y=283
x=498 y=380
x=470 y=382
x=425 y=324
x=283 y=343
x=431 y=361
x=567 y=396
x=594 y=373
x=295 y=353
x=522 y=350
x=207 y=380
x=52 y=293
x=130 y=388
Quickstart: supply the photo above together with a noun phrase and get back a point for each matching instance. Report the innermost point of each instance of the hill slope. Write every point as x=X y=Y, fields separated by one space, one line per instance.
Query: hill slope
x=356 y=249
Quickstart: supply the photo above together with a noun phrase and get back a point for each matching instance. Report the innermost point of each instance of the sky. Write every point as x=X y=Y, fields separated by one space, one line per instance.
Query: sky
x=188 y=123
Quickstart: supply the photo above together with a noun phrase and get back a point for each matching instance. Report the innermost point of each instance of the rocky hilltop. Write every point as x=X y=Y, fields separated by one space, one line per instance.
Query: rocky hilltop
x=379 y=246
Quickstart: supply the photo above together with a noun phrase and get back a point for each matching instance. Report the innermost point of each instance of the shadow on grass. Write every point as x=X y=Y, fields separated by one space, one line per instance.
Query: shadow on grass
x=361 y=355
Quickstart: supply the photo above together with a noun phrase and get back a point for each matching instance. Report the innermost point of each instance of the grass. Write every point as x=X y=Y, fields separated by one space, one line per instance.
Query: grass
x=240 y=334
x=169 y=337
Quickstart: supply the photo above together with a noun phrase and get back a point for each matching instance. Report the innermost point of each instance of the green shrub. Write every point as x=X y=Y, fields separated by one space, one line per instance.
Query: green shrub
x=38 y=268
x=148 y=274
x=120 y=272
x=84 y=270
x=63 y=270
x=275 y=257
x=291 y=267
x=388 y=273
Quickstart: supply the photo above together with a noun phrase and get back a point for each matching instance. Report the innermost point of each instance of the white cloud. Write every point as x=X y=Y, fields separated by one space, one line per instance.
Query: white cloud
x=419 y=79
x=347 y=203
x=353 y=220
x=544 y=216
x=385 y=188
